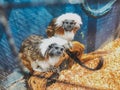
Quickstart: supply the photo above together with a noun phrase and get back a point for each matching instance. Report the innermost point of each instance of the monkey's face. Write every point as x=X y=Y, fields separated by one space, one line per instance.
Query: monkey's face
x=55 y=50
x=68 y=25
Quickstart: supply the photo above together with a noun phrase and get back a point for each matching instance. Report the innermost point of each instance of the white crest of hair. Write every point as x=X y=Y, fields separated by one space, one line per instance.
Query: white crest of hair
x=69 y=16
x=48 y=41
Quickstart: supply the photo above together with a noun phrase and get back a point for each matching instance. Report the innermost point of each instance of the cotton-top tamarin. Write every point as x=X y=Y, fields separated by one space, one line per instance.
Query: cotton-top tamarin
x=65 y=26
x=42 y=54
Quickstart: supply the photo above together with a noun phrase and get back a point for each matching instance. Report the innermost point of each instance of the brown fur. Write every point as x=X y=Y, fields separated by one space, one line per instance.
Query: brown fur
x=36 y=82
x=59 y=31
x=30 y=51
x=52 y=29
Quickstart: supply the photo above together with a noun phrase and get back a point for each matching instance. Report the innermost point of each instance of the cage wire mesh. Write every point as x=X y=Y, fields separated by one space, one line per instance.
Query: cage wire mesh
x=26 y=18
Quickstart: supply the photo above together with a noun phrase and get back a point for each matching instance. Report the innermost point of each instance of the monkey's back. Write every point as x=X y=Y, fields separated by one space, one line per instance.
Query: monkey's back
x=30 y=51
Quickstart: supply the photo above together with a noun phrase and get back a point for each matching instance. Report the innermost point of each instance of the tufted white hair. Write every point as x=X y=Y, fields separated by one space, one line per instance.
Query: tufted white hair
x=48 y=41
x=69 y=16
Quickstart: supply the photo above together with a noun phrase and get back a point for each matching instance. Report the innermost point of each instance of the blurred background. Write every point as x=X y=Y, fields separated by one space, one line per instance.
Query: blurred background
x=101 y=23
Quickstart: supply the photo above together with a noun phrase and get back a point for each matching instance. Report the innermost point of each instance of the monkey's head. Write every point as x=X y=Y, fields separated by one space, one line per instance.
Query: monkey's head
x=55 y=50
x=66 y=26
x=69 y=21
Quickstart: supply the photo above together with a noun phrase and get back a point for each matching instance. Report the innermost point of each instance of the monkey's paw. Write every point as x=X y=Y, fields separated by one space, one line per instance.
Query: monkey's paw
x=54 y=69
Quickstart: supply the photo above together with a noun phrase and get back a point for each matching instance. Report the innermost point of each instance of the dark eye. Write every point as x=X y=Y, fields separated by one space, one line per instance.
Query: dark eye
x=56 y=47
x=61 y=49
x=66 y=22
x=50 y=46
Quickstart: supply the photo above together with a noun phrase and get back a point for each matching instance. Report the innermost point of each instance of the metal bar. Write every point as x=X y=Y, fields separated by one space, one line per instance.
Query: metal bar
x=30 y=4
x=4 y=23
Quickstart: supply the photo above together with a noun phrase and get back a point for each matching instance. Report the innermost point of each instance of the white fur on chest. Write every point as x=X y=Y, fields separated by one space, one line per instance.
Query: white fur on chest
x=53 y=60
x=67 y=35
x=43 y=66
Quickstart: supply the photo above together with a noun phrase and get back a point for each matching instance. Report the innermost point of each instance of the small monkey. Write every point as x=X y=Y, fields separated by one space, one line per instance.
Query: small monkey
x=40 y=54
x=65 y=26
x=53 y=52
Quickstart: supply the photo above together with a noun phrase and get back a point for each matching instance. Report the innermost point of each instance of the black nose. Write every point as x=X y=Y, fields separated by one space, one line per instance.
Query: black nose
x=59 y=52
x=69 y=26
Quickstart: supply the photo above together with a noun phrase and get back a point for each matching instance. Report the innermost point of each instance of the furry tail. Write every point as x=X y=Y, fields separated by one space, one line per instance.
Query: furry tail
x=74 y=57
